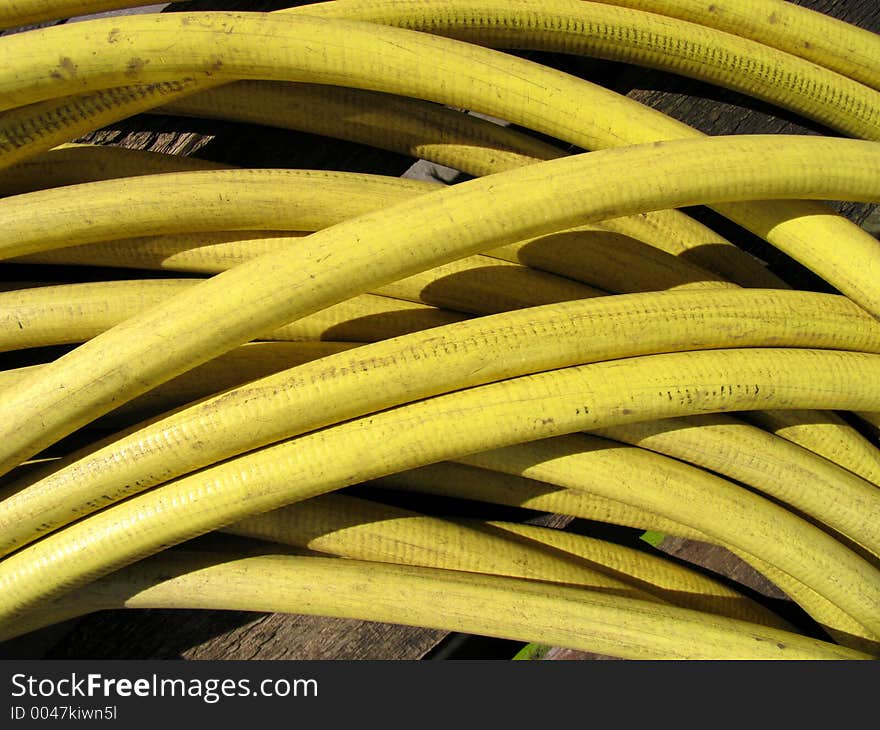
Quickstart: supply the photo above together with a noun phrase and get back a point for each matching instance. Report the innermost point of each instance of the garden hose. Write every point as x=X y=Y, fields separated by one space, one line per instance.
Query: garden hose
x=510 y=392
x=461 y=141
x=352 y=527
x=25 y=12
x=788 y=473
x=231 y=36
x=70 y=164
x=632 y=36
x=371 y=250
x=826 y=41
x=74 y=313
x=593 y=255
x=683 y=494
x=251 y=361
x=217 y=200
x=491 y=416
x=488 y=605
x=464 y=481
x=818 y=432
x=35 y=128
x=403 y=124
x=445 y=359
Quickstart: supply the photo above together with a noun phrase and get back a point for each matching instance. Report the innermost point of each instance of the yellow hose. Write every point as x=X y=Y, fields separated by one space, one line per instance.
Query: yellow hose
x=25 y=12
x=556 y=102
x=71 y=164
x=820 y=433
x=74 y=313
x=450 y=358
x=491 y=416
x=773 y=466
x=371 y=250
x=632 y=36
x=489 y=605
x=216 y=200
x=467 y=482
x=824 y=40
x=724 y=512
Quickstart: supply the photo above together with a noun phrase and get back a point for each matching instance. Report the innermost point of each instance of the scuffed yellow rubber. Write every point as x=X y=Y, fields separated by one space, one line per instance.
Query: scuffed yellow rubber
x=556 y=102
x=593 y=255
x=491 y=416
x=374 y=249
x=458 y=356
x=632 y=36
x=467 y=482
x=35 y=128
x=820 y=434
x=71 y=164
x=489 y=605
x=824 y=40
x=792 y=475
x=216 y=200
x=74 y=313
x=683 y=494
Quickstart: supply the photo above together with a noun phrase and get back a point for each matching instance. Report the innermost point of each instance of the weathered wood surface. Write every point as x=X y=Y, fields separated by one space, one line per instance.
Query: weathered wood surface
x=241 y=635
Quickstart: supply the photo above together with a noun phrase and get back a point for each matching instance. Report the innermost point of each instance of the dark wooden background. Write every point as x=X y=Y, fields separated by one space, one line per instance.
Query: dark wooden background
x=181 y=634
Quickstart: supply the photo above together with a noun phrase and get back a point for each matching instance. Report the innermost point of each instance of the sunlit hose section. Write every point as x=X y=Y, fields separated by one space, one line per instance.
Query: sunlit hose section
x=592 y=255
x=198 y=253
x=612 y=261
x=74 y=313
x=827 y=41
x=411 y=127
x=476 y=604
x=474 y=78
x=468 y=482
x=464 y=481
x=646 y=39
x=25 y=12
x=248 y=362
x=71 y=164
x=374 y=249
x=725 y=513
x=35 y=128
x=402 y=124
x=461 y=141
x=482 y=285
x=776 y=467
x=817 y=432
x=351 y=527
x=215 y=200
x=477 y=419
x=462 y=355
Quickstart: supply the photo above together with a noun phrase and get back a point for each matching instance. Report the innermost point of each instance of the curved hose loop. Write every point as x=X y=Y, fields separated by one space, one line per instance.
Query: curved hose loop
x=352 y=527
x=797 y=477
x=449 y=358
x=556 y=103
x=513 y=411
x=826 y=41
x=462 y=480
x=368 y=251
x=621 y=34
x=488 y=605
x=216 y=200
